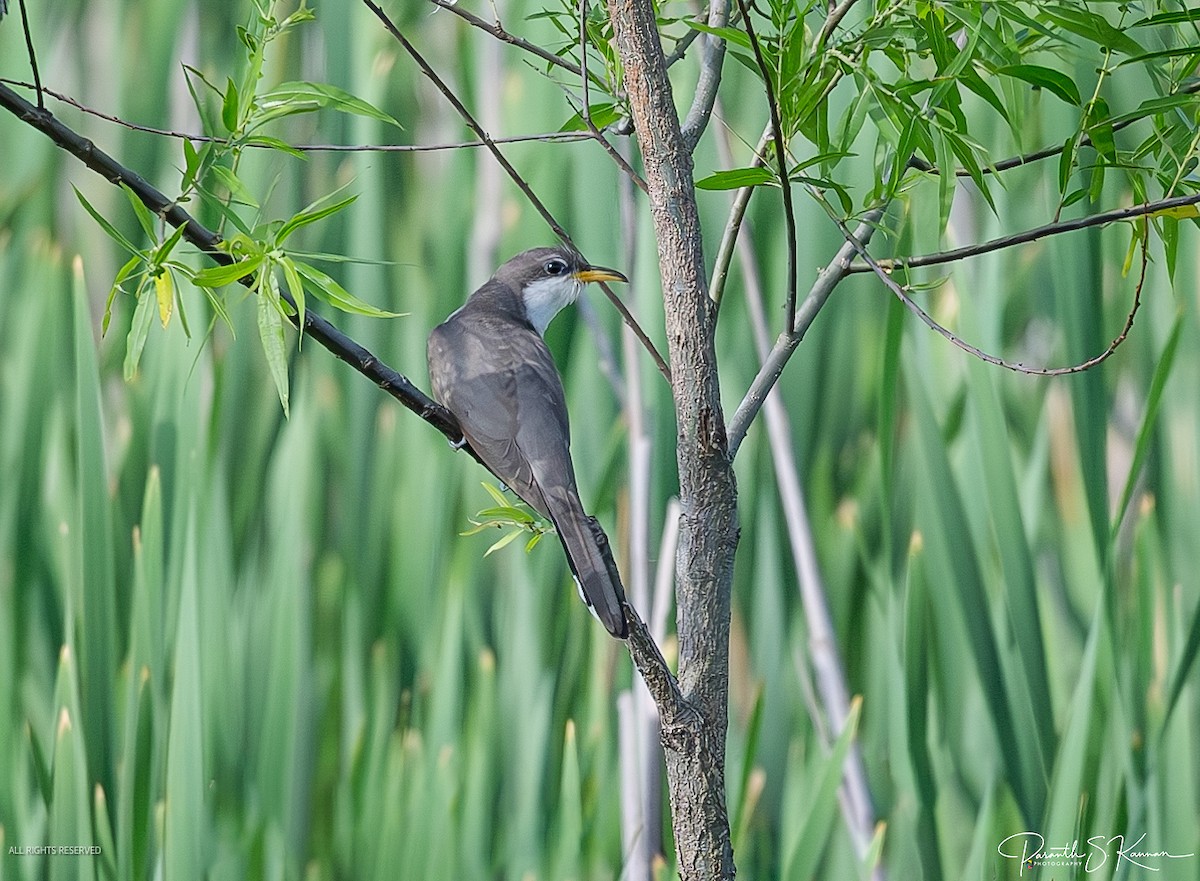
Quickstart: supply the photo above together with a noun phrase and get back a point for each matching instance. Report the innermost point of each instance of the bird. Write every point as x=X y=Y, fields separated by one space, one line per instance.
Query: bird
x=490 y=367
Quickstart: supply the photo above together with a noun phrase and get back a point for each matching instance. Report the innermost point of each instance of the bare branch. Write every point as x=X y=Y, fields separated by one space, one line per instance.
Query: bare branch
x=513 y=174
x=33 y=64
x=949 y=335
x=1029 y=235
x=303 y=148
x=497 y=31
x=737 y=212
x=712 y=60
x=774 y=363
x=681 y=47
x=832 y=20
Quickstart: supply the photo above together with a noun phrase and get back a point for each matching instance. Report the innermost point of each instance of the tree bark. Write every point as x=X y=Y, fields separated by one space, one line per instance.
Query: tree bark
x=694 y=742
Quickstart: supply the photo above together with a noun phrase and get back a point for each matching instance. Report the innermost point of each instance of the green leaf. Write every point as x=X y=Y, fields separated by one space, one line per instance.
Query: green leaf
x=191 y=163
x=270 y=332
x=1066 y=163
x=113 y=232
x=601 y=115
x=1092 y=27
x=144 y=215
x=1168 y=18
x=229 y=107
x=337 y=296
x=823 y=803
x=296 y=289
x=163 y=251
x=946 y=180
x=139 y=329
x=238 y=191
x=1177 y=52
x=736 y=178
x=507 y=513
x=1044 y=78
x=1156 y=106
x=219 y=276
x=1146 y=432
x=164 y=292
x=499 y=497
x=123 y=273
x=731 y=35
x=289 y=99
x=276 y=144
x=503 y=542
x=314 y=212
x=1100 y=130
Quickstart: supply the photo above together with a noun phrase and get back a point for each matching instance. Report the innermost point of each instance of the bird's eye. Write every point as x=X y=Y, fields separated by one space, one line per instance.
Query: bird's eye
x=555 y=267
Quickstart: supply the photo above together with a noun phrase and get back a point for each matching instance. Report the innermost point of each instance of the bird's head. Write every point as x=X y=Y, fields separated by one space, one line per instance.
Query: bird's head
x=549 y=279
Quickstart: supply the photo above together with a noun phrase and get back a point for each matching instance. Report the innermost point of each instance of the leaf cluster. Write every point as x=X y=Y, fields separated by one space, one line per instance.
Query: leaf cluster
x=911 y=71
x=235 y=117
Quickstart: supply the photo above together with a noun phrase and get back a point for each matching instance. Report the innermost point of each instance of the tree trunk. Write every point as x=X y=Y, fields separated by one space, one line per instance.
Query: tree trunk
x=694 y=742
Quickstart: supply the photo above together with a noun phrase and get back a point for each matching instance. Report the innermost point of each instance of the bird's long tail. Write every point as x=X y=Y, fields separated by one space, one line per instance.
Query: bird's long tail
x=591 y=561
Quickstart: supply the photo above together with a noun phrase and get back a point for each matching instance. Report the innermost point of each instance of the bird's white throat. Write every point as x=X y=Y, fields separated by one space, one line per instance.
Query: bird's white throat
x=546 y=297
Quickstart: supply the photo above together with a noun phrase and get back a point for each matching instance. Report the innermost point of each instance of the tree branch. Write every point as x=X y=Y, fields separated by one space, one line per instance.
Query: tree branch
x=1046 y=152
x=303 y=148
x=773 y=365
x=729 y=238
x=585 y=112
x=832 y=20
x=891 y=285
x=712 y=60
x=1029 y=235
x=694 y=746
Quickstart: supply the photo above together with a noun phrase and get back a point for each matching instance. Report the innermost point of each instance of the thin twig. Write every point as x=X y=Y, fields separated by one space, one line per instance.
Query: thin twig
x=681 y=46
x=1046 y=152
x=949 y=335
x=33 y=65
x=1029 y=235
x=303 y=148
x=789 y=211
x=733 y=225
x=712 y=61
x=513 y=174
x=585 y=112
x=497 y=31
x=836 y=14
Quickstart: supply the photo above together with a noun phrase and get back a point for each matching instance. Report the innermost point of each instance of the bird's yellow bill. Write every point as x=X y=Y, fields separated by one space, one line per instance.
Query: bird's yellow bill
x=599 y=273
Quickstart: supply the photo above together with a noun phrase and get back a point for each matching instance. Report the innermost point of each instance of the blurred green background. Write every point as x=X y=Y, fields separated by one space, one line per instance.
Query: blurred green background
x=238 y=646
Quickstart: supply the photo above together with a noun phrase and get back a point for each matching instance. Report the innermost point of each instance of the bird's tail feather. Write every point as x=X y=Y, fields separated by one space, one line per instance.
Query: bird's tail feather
x=591 y=561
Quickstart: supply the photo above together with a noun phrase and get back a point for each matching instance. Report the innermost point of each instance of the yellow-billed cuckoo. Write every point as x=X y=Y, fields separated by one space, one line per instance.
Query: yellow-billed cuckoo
x=490 y=367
